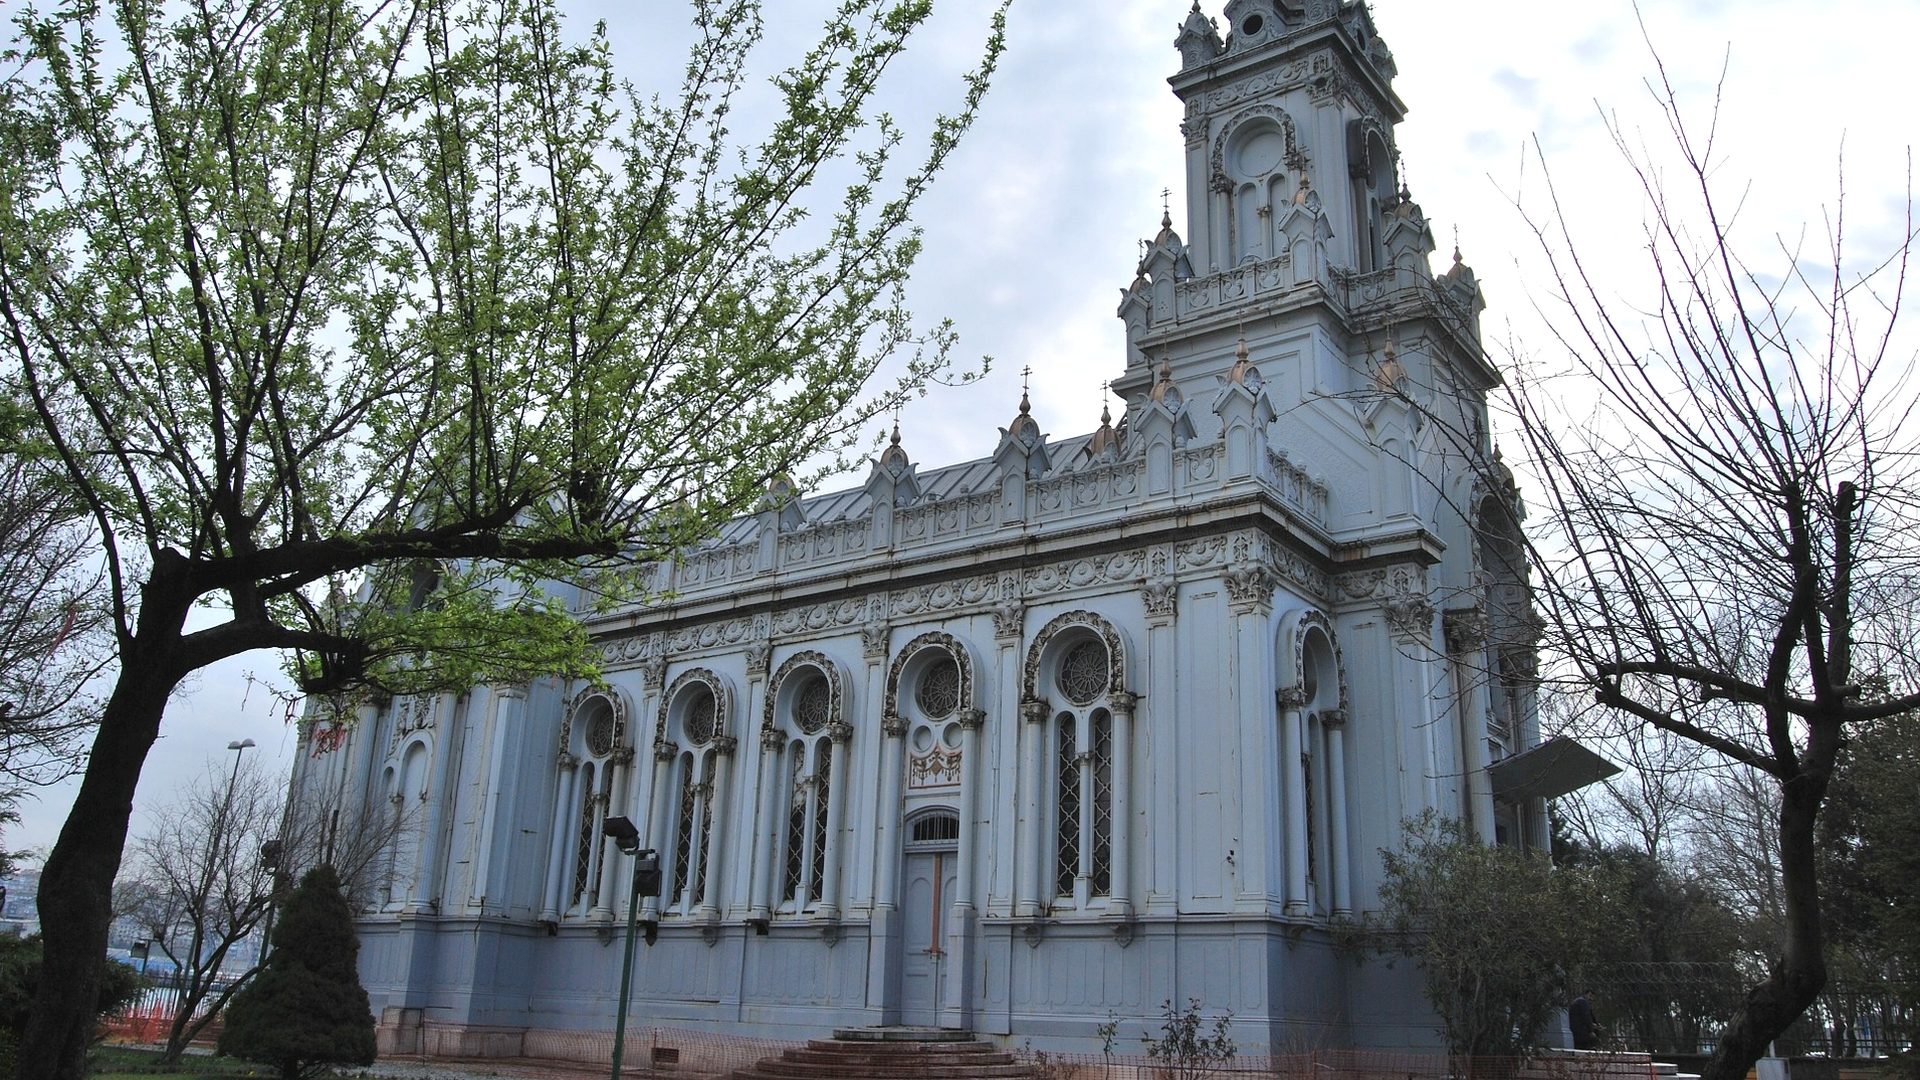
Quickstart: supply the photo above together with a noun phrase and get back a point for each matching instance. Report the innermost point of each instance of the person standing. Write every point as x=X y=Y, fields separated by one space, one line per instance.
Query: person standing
x=1580 y=1020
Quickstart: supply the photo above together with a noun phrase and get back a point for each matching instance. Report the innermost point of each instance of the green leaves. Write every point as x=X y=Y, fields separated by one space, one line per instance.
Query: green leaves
x=1495 y=929
x=309 y=292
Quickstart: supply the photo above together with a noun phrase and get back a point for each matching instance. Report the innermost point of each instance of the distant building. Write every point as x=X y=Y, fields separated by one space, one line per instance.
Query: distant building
x=1088 y=724
x=20 y=915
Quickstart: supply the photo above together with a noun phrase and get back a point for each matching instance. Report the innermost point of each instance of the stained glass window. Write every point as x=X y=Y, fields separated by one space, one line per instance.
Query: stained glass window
x=938 y=694
x=600 y=734
x=583 y=842
x=816 y=883
x=813 y=704
x=1102 y=840
x=1083 y=673
x=1067 y=863
x=701 y=721
x=683 y=836
x=704 y=802
x=796 y=825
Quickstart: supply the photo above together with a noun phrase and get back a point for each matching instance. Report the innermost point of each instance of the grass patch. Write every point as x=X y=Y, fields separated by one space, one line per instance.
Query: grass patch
x=126 y=1063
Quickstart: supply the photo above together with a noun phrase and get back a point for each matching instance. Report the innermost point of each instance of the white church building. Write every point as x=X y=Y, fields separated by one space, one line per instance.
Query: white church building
x=1017 y=744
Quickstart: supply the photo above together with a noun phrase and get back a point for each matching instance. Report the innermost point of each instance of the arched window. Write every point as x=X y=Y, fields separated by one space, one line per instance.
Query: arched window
x=932 y=687
x=1082 y=780
x=1311 y=771
x=694 y=717
x=593 y=731
x=1372 y=167
x=807 y=710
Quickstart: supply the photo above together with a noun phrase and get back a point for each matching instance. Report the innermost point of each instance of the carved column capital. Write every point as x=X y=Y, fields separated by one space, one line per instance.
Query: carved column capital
x=1249 y=586
x=665 y=751
x=1009 y=619
x=1467 y=629
x=971 y=719
x=1410 y=615
x=564 y=760
x=893 y=727
x=725 y=745
x=757 y=655
x=1333 y=718
x=1158 y=598
x=770 y=739
x=1123 y=701
x=839 y=731
x=1034 y=711
x=874 y=638
x=1291 y=697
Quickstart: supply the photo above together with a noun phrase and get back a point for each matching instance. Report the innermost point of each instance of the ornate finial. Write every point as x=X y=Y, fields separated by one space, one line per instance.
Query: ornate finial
x=1166 y=208
x=1456 y=245
x=1240 y=350
x=1306 y=188
x=896 y=431
x=1106 y=415
x=1026 y=406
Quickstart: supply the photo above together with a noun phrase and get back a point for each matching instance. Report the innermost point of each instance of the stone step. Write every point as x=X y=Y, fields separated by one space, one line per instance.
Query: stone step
x=797 y=1071
x=902 y=1034
x=894 y=1048
x=889 y=1053
x=985 y=1055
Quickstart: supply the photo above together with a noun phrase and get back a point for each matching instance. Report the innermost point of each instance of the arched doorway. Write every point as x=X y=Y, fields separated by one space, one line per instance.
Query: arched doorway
x=931 y=856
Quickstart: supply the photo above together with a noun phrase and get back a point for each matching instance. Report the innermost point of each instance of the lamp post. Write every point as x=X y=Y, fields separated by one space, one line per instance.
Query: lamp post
x=239 y=748
x=646 y=878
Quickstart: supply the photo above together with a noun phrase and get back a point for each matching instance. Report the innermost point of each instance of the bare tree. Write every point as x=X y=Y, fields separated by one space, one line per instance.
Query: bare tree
x=51 y=619
x=201 y=887
x=1729 y=544
x=1650 y=804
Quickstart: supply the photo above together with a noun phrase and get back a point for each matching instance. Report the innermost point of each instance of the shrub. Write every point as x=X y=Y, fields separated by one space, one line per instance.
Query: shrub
x=307 y=1009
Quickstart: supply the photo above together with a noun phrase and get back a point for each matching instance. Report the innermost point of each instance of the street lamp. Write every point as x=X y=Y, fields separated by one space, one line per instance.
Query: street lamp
x=646 y=878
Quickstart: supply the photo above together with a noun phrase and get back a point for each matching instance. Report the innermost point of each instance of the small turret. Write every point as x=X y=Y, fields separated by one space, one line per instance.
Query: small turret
x=1199 y=41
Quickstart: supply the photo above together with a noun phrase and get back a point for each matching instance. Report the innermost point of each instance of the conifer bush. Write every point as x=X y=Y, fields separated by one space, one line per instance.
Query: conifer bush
x=307 y=1009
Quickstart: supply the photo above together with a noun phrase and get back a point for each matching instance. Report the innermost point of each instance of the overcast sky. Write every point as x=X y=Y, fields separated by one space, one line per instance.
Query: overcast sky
x=1034 y=229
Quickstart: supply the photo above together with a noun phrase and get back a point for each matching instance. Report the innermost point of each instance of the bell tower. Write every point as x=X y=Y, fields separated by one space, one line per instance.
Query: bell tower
x=1293 y=198
x=1295 y=103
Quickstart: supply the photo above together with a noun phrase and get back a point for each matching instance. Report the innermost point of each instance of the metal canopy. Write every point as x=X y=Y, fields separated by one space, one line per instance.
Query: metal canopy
x=1547 y=771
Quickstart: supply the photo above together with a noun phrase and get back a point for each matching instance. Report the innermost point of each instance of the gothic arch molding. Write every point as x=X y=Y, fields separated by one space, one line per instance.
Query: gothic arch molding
x=932 y=639
x=1294 y=158
x=716 y=684
x=1086 y=622
x=617 y=704
x=819 y=661
x=1295 y=630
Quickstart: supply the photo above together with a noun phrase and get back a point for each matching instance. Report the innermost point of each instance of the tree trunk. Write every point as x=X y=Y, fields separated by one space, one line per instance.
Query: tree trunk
x=76 y=885
x=1801 y=970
